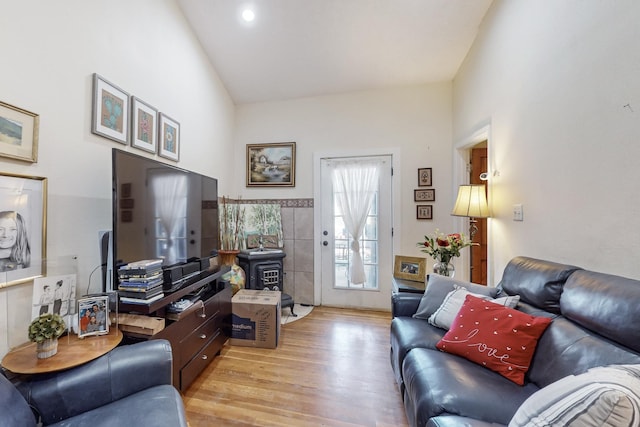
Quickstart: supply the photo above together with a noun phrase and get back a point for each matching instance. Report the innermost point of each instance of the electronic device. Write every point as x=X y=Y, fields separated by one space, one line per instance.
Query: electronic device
x=161 y=211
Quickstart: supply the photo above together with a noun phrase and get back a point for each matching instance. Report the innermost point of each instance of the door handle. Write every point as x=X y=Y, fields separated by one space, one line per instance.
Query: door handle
x=325 y=243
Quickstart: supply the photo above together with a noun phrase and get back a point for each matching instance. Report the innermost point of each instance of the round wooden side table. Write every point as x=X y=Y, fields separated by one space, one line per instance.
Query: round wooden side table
x=72 y=351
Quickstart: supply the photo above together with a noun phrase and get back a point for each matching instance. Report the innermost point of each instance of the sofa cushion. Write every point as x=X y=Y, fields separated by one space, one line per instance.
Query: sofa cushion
x=605 y=304
x=499 y=338
x=604 y=396
x=538 y=282
x=437 y=289
x=446 y=313
x=438 y=383
x=408 y=333
x=566 y=348
x=159 y=406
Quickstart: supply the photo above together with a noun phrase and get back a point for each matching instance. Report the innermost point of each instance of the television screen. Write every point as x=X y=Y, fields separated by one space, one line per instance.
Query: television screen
x=161 y=211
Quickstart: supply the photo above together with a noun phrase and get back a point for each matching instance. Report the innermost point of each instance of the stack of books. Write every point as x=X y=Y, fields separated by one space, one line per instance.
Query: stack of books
x=141 y=282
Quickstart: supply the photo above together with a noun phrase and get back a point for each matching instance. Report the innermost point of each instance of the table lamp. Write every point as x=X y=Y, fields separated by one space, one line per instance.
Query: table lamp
x=471 y=203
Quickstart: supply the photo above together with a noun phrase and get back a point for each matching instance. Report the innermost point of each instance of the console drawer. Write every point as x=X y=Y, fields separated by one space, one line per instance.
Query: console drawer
x=197 y=339
x=200 y=361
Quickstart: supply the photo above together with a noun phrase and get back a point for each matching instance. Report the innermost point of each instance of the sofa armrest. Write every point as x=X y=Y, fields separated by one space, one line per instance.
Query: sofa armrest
x=122 y=372
x=457 y=421
x=405 y=303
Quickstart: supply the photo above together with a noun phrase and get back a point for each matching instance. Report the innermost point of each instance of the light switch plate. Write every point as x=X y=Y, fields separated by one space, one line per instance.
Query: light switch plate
x=518 y=214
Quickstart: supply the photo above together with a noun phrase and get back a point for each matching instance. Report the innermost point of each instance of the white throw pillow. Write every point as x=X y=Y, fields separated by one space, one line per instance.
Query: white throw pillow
x=604 y=396
x=446 y=313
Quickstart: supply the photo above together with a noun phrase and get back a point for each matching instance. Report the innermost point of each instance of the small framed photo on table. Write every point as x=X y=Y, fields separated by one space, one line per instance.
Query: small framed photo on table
x=93 y=316
x=410 y=268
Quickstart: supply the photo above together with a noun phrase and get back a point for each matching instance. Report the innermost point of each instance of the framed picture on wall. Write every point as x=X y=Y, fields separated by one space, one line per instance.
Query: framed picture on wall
x=424 y=177
x=169 y=137
x=424 y=212
x=144 y=130
x=18 y=133
x=424 y=195
x=23 y=214
x=271 y=165
x=110 y=117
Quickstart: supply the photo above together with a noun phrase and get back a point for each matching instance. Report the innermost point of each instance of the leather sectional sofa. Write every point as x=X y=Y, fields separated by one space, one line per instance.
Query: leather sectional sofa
x=595 y=322
x=129 y=386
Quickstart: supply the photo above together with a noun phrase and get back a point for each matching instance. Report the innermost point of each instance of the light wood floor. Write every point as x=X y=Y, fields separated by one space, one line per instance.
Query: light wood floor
x=331 y=368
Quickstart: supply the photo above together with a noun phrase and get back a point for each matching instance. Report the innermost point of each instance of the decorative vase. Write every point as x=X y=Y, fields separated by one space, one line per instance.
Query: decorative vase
x=236 y=275
x=47 y=348
x=444 y=268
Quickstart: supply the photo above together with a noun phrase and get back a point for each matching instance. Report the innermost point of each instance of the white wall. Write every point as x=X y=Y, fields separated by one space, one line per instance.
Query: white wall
x=415 y=120
x=49 y=52
x=559 y=83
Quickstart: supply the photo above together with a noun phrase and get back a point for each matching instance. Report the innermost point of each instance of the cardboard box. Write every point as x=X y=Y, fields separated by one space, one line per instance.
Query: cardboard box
x=139 y=324
x=255 y=319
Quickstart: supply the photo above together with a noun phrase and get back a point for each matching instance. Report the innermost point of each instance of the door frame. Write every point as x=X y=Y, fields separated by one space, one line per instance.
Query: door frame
x=317 y=212
x=461 y=158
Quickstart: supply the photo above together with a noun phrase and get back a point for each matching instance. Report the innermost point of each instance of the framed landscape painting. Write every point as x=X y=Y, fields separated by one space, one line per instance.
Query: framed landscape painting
x=271 y=165
x=18 y=133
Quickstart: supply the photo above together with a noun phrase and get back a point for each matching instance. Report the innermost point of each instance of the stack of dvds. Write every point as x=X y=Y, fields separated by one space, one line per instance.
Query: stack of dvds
x=141 y=282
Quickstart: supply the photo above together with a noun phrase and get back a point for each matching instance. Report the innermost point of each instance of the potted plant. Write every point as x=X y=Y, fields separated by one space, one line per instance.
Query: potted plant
x=45 y=331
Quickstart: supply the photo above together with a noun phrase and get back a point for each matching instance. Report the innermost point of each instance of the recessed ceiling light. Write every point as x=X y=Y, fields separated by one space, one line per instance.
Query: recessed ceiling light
x=248 y=15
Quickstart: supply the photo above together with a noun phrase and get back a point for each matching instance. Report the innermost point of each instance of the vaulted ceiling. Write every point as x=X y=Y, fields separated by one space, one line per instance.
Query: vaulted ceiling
x=300 y=48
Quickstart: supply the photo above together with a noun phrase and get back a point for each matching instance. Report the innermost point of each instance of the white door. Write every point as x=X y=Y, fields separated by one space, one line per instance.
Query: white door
x=376 y=245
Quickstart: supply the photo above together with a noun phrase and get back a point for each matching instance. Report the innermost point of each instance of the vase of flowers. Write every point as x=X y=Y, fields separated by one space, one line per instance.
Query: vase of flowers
x=45 y=331
x=442 y=248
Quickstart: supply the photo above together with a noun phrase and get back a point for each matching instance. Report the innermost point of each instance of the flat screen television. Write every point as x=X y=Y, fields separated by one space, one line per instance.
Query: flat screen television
x=161 y=211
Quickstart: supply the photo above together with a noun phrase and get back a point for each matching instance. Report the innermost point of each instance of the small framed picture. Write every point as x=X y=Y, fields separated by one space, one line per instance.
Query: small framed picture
x=144 y=130
x=424 y=212
x=424 y=195
x=169 y=138
x=424 y=177
x=93 y=316
x=110 y=111
x=410 y=268
x=18 y=133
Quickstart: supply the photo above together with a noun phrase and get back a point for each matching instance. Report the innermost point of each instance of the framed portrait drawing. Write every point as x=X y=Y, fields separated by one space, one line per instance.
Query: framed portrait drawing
x=424 y=177
x=424 y=212
x=410 y=268
x=168 y=138
x=23 y=214
x=93 y=316
x=144 y=129
x=110 y=117
x=271 y=165
x=427 y=195
x=18 y=133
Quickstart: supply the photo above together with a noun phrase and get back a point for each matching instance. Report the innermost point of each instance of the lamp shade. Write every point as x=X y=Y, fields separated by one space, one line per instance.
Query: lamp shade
x=471 y=202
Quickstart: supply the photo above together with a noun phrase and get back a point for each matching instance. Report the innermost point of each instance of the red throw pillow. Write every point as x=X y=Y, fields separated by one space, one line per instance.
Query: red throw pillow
x=497 y=337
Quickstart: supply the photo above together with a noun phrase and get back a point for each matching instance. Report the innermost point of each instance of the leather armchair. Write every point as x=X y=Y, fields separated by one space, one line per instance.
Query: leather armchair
x=131 y=385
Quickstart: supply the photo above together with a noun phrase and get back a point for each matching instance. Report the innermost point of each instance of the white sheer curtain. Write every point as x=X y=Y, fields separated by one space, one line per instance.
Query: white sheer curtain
x=355 y=182
x=170 y=192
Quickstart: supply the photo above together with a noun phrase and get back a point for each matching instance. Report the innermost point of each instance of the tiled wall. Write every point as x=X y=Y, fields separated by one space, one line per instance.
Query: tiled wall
x=297 y=227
